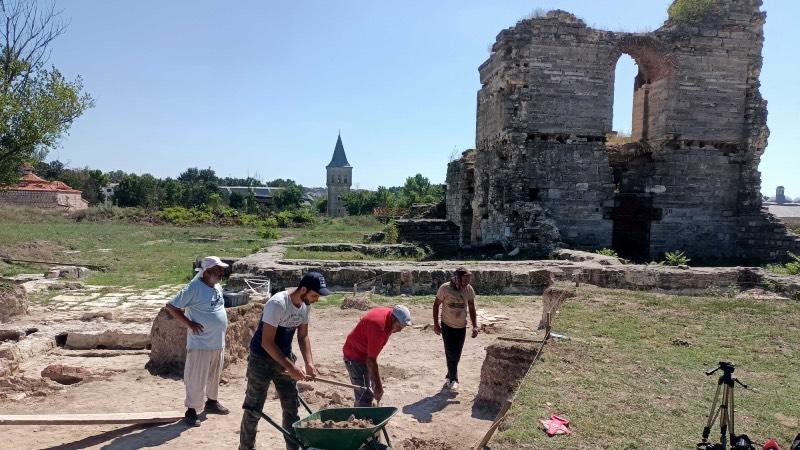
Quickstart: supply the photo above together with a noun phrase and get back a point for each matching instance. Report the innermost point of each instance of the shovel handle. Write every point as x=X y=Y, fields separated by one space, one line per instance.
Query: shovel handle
x=339 y=383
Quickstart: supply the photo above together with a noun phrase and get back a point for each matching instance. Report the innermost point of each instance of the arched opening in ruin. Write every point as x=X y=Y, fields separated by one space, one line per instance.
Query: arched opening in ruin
x=641 y=62
x=625 y=74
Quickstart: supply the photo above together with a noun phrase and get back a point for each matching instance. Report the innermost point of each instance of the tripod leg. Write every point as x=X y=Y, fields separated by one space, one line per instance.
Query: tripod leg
x=731 y=411
x=712 y=415
x=723 y=419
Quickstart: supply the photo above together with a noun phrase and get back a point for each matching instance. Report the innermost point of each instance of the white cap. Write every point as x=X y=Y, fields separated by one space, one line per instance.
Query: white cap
x=402 y=314
x=212 y=261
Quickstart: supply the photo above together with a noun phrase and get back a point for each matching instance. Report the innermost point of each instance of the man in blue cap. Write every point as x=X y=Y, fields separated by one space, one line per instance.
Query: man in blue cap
x=271 y=358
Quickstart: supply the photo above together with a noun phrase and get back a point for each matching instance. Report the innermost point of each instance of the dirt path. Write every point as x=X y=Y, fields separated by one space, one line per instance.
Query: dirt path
x=413 y=369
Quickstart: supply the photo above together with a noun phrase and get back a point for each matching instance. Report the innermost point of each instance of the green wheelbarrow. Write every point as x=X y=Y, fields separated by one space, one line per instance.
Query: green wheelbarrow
x=338 y=438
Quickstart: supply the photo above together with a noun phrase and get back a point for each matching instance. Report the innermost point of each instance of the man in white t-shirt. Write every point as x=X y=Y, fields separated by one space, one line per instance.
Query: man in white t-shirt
x=271 y=358
x=201 y=309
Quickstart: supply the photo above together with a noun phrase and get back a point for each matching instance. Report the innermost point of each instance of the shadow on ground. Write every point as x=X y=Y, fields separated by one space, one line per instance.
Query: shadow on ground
x=422 y=410
x=126 y=438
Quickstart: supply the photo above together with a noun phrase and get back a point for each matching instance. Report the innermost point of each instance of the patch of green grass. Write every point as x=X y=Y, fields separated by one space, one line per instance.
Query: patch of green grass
x=346 y=229
x=143 y=256
x=632 y=374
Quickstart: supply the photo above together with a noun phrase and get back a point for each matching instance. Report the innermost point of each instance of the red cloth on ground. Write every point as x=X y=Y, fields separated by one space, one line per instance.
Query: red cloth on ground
x=556 y=425
x=369 y=336
x=771 y=445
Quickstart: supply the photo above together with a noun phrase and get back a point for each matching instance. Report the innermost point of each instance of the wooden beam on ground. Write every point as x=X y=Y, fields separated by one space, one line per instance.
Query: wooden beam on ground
x=92 y=419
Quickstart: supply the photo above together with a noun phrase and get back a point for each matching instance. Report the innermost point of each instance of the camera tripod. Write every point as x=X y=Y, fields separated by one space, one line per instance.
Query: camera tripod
x=725 y=413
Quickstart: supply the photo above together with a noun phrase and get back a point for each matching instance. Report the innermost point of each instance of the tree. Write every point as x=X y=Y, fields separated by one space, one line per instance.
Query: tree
x=89 y=182
x=249 y=181
x=236 y=200
x=360 y=202
x=385 y=198
x=170 y=193
x=198 y=186
x=135 y=190
x=418 y=189
x=289 y=197
x=37 y=104
x=321 y=205
x=280 y=182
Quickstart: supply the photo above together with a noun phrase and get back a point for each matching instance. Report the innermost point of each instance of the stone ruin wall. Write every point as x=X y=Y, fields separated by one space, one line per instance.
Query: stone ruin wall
x=543 y=174
x=67 y=201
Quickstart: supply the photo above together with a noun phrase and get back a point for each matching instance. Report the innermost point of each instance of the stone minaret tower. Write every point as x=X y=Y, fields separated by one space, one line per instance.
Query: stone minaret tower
x=340 y=178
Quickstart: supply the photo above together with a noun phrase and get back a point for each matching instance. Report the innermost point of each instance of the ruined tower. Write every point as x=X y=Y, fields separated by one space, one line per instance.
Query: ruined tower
x=780 y=196
x=340 y=178
x=543 y=174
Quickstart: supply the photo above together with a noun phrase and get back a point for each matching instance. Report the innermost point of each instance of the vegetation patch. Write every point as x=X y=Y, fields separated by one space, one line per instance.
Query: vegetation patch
x=688 y=11
x=631 y=376
x=143 y=257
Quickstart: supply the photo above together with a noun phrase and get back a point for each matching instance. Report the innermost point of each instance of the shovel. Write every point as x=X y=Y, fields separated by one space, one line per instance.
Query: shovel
x=339 y=383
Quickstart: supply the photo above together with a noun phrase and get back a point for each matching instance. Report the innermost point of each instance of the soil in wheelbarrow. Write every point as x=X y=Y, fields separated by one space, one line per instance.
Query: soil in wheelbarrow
x=351 y=422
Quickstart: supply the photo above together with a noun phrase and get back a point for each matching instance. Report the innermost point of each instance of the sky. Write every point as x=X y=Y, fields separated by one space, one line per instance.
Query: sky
x=261 y=88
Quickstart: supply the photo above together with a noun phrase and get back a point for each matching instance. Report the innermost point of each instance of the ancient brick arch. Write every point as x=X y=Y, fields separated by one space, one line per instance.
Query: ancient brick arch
x=652 y=87
x=654 y=60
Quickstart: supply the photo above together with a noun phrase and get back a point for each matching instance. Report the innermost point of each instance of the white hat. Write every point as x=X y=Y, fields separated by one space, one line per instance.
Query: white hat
x=212 y=261
x=402 y=314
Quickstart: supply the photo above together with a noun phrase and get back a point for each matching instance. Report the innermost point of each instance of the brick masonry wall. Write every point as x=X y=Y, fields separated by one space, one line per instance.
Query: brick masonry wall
x=544 y=177
x=44 y=199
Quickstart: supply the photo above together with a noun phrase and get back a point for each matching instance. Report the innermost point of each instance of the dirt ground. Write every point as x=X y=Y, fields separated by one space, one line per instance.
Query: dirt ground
x=413 y=368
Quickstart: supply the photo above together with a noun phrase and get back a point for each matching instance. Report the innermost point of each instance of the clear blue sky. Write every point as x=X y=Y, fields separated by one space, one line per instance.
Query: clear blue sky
x=257 y=87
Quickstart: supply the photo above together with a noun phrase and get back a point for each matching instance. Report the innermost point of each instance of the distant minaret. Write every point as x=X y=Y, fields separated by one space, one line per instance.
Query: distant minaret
x=340 y=178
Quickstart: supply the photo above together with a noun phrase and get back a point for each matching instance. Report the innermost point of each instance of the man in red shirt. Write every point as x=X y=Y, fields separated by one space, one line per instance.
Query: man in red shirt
x=364 y=344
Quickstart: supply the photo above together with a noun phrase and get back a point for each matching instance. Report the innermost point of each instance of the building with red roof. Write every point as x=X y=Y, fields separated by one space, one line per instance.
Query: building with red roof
x=36 y=192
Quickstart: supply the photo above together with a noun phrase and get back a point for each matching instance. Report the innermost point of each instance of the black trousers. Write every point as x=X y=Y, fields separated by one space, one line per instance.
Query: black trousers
x=453 y=345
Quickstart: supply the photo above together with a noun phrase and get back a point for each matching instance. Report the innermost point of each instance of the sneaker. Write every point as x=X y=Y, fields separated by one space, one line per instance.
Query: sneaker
x=214 y=407
x=454 y=387
x=190 y=418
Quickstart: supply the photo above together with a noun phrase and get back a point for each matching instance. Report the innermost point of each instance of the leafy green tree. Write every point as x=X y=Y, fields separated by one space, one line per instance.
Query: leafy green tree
x=280 y=182
x=198 y=186
x=418 y=189
x=236 y=200
x=49 y=170
x=135 y=190
x=251 y=205
x=289 y=197
x=360 y=202
x=249 y=181
x=321 y=205
x=37 y=104
x=170 y=193
x=385 y=198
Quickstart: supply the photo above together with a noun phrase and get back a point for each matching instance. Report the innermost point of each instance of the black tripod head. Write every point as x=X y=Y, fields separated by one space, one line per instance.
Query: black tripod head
x=726 y=367
x=727 y=377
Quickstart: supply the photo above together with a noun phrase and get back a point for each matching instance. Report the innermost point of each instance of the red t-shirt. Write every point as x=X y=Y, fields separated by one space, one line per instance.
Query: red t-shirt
x=369 y=336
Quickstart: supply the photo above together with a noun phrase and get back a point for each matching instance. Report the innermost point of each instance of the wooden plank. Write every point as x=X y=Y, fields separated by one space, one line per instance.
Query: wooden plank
x=90 y=419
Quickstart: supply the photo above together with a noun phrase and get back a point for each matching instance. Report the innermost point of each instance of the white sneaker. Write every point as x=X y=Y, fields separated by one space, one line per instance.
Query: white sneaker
x=454 y=386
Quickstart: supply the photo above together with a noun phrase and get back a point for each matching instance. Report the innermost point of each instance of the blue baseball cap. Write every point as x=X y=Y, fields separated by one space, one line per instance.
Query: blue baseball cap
x=314 y=281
